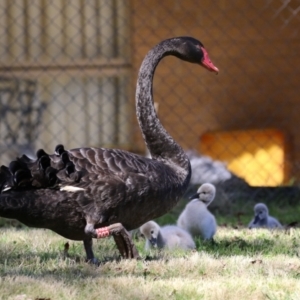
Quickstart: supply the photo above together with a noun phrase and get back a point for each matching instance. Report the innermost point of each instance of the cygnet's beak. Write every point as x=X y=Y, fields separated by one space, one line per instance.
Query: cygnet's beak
x=153 y=242
x=256 y=219
x=195 y=196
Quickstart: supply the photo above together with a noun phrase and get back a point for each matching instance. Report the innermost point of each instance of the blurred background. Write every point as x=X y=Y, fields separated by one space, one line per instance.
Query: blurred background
x=68 y=71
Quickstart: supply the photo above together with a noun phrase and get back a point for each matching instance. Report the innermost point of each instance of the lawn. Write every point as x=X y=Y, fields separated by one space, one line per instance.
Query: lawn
x=240 y=264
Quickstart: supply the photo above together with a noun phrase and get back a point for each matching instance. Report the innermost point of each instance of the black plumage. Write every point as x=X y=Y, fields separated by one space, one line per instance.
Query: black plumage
x=78 y=192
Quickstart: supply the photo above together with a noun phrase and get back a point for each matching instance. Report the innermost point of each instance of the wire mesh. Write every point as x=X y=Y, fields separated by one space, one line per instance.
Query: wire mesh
x=68 y=72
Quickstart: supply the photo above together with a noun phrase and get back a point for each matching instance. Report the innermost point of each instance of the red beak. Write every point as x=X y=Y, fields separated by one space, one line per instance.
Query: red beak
x=207 y=63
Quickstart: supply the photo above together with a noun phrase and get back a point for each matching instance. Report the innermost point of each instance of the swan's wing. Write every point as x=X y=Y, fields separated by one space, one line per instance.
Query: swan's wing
x=208 y=226
x=112 y=177
x=77 y=167
x=102 y=182
x=273 y=223
x=181 y=220
x=177 y=237
x=99 y=163
x=170 y=237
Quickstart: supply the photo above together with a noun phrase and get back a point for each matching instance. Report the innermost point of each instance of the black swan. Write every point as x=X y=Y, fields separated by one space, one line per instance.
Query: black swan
x=87 y=193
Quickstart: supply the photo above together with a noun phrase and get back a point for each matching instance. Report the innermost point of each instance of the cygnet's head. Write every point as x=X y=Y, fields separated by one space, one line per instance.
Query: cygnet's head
x=150 y=230
x=261 y=212
x=206 y=193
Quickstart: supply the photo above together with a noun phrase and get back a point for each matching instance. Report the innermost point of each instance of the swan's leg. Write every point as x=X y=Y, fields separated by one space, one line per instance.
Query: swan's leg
x=121 y=236
x=88 y=246
x=123 y=241
x=90 y=230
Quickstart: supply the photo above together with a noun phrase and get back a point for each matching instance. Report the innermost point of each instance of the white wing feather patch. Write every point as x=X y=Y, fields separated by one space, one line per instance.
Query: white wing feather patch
x=70 y=188
x=6 y=188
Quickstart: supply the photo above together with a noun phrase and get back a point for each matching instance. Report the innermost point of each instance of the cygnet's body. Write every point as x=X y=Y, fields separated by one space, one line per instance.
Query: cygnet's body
x=196 y=218
x=262 y=218
x=169 y=236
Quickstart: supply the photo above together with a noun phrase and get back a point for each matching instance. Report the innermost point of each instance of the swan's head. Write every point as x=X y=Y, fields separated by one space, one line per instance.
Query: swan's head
x=150 y=230
x=261 y=212
x=192 y=50
x=206 y=193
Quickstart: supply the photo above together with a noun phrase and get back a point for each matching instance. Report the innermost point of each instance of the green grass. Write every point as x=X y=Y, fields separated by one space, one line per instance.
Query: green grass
x=240 y=264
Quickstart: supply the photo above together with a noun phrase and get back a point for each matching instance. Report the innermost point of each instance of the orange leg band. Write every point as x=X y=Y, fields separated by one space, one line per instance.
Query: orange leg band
x=102 y=232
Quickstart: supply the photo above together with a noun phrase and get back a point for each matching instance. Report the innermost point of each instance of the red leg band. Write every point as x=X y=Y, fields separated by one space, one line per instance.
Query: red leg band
x=102 y=232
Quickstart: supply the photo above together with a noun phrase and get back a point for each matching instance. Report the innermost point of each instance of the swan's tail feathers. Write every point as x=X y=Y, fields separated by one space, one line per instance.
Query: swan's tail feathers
x=16 y=175
x=46 y=171
x=6 y=180
x=66 y=168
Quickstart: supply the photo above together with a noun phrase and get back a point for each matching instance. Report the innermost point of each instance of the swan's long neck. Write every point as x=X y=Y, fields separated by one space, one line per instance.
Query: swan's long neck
x=159 y=143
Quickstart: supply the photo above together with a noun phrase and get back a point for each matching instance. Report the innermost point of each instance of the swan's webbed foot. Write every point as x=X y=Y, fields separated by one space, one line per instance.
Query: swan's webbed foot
x=121 y=236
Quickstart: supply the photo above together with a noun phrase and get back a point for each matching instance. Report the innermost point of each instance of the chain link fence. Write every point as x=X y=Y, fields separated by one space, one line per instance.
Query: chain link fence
x=68 y=71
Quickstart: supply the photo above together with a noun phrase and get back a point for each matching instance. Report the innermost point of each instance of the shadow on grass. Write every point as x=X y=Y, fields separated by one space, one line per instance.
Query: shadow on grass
x=51 y=265
x=239 y=246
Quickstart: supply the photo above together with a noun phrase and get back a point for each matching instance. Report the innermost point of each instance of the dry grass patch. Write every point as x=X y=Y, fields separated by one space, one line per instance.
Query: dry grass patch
x=241 y=264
